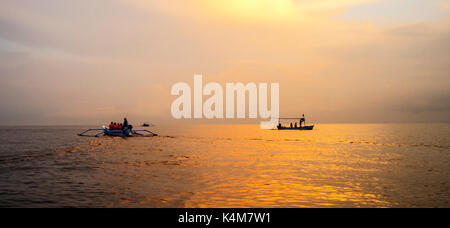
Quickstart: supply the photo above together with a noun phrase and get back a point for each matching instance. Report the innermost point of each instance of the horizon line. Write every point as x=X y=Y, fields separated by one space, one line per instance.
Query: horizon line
x=192 y=124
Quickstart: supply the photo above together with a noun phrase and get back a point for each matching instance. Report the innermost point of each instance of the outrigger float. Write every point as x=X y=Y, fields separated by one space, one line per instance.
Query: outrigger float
x=117 y=133
x=295 y=127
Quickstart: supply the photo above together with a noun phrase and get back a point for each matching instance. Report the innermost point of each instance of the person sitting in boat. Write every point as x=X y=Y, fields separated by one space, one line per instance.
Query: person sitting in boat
x=291 y=125
x=295 y=124
x=120 y=127
x=115 y=126
x=111 y=126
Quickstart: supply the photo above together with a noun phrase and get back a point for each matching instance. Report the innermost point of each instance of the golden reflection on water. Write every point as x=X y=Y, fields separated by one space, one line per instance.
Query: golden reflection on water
x=243 y=166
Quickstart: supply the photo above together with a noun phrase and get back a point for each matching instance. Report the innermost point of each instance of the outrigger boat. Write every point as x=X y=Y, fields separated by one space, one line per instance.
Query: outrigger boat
x=117 y=133
x=299 y=127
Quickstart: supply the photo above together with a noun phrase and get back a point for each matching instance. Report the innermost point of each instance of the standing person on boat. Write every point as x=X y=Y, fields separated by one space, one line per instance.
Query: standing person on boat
x=303 y=120
x=125 y=123
x=126 y=126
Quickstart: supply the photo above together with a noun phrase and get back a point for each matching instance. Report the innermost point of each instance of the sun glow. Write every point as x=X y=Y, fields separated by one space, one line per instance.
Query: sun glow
x=255 y=9
x=251 y=11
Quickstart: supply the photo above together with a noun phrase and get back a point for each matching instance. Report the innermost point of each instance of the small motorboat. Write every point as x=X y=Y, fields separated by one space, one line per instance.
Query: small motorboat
x=117 y=133
x=146 y=125
x=301 y=126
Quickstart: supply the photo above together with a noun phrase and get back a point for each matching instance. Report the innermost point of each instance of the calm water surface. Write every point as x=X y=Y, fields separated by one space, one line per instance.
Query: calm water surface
x=391 y=165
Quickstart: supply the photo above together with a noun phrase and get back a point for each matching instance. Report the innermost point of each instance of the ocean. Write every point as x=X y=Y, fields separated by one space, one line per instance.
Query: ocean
x=335 y=165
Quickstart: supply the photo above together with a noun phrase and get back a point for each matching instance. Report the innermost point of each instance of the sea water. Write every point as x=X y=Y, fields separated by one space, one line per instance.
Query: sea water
x=342 y=165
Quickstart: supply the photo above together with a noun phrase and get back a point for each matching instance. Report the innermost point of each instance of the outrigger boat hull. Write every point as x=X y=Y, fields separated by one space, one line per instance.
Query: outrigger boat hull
x=305 y=128
x=117 y=133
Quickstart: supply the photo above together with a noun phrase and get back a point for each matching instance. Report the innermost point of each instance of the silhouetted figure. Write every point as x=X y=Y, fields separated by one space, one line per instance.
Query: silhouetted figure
x=303 y=120
x=291 y=125
x=126 y=126
x=125 y=122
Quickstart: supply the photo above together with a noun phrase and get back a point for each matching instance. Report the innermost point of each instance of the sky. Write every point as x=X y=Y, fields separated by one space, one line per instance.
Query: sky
x=337 y=61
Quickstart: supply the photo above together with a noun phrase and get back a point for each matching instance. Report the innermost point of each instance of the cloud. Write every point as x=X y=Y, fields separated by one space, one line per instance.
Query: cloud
x=89 y=61
x=445 y=4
